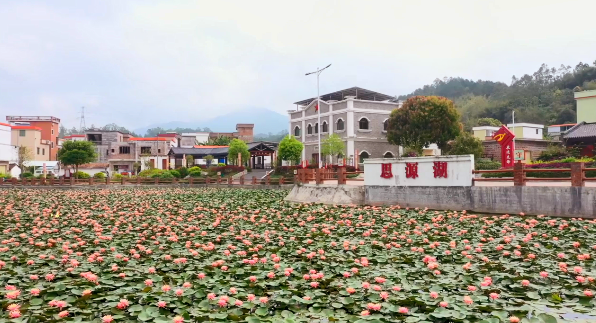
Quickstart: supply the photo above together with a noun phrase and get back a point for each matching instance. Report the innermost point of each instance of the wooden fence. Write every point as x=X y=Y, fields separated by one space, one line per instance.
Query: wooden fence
x=320 y=175
x=577 y=178
x=267 y=181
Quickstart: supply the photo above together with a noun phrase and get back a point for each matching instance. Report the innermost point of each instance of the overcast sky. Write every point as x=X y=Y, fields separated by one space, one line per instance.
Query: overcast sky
x=142 y=62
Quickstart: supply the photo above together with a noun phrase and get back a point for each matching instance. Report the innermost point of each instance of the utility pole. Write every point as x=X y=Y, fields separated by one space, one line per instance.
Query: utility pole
x=318 y=128
x=82 y=124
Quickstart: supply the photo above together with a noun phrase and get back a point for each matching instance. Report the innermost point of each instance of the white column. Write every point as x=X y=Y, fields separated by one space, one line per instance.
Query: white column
x=350 y=126
x=330 y=119
x=303 y=133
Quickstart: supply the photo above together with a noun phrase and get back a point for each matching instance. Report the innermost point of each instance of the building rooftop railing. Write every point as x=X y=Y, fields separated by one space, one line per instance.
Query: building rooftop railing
x=32 y=118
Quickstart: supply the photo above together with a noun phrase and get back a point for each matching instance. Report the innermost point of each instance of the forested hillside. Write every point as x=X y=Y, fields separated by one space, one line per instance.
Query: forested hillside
x=545 y=96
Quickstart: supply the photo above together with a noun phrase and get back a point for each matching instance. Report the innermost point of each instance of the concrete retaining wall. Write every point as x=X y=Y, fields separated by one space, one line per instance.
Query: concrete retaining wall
x=548 y=200
x=327 y=194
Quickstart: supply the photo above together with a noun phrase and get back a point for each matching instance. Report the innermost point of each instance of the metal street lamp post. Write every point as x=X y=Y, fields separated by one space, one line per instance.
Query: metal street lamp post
x=318 y=72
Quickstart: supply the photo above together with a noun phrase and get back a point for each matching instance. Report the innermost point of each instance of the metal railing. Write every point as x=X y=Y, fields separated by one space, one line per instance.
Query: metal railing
x=320 y=175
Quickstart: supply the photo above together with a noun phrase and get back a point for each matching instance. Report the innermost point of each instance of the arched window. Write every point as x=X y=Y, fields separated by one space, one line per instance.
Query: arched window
x=385 y=124
x=324 y=127
x=363 y=124
x=316 y=128
x=364 y=155
x=296 y=131
x=340 y=124
x=309 y=129
x=388 y=155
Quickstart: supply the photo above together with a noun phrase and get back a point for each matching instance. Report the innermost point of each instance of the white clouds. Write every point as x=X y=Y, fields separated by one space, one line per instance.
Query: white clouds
x=149 y=61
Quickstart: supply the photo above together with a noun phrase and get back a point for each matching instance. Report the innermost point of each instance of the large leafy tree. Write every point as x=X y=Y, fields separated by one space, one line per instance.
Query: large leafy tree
x=290 y=149
x=424 y=120
x=23 y=155
x=238 y=146
x=333 y=146
x=489 y=122
x=77 y=153
x=465 y=144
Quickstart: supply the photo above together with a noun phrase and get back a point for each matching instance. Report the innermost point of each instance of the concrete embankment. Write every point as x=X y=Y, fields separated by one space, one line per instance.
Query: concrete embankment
x=327 y=194
x=553 y=201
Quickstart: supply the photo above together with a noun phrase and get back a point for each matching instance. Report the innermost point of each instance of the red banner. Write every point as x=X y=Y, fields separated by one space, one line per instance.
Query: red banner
x=505 y=138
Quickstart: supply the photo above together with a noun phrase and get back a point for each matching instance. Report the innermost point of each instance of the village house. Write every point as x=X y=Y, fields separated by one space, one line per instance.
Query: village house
x=357 y=115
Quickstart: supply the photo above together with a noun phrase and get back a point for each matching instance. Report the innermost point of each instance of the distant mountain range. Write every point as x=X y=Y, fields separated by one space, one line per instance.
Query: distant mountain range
x=265 y=121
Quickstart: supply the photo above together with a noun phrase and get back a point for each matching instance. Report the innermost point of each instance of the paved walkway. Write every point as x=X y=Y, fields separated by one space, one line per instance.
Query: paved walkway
x=258 y=173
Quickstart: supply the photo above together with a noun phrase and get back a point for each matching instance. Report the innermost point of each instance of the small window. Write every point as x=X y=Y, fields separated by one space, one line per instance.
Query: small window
x=316 y=128
x=159 y=151
x=112 y=150
x=363 y=155
x=52 y=131
x=108 y=151
x=388 y=155
x=309 y=129
x=325 y=127
x=43 y=151
x=38 y=150
x=296 y=131
x=115 y=167
x=52 y=145
x=146 y=150
x=536 y=131
x=124 y=150
x=340 y=124
x=363 y=124
x=22 y=133
x=385 y=125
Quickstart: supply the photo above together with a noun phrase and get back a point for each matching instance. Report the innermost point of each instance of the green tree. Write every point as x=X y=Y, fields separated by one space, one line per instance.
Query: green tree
x=422 y=121
x=23 y=155
x=333 y=146
x=218 y=141
x=209 y=159
x=290 y=149
x=489 y=122
x=465 y=144
x=238 y=146
x=77 y=153
x=190 y=161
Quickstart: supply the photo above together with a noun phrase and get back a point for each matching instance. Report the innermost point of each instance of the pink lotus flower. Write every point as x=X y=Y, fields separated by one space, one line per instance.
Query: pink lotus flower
x=543 y=274
x=222 y=302
x=201 y=275
x=443 y=304
x=250 y=297
x=211 y=296
x=468 y=300
x=148 y=282
x=434 y=295
x=350 y=290
x=525 y=283
x=14 y=314
x=179 y=292
x=166 y=288
x=161 y=304
x=63 y=314
x=178 y=319
x=238 y=302
x=493 y=296
x=588 y=293
x=403 y=310
x=514 y=319
x=86 y=292
x=365 y=313
x=35 y=291
x=314 y=284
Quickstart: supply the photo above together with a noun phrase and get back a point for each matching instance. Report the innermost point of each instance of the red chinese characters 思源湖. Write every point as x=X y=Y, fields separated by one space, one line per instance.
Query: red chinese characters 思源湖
x=386 y=171
x=411 y=170
x=440 y=169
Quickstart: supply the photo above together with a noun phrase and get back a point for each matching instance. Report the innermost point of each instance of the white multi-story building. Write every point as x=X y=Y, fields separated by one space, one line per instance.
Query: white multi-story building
x=8 y=153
